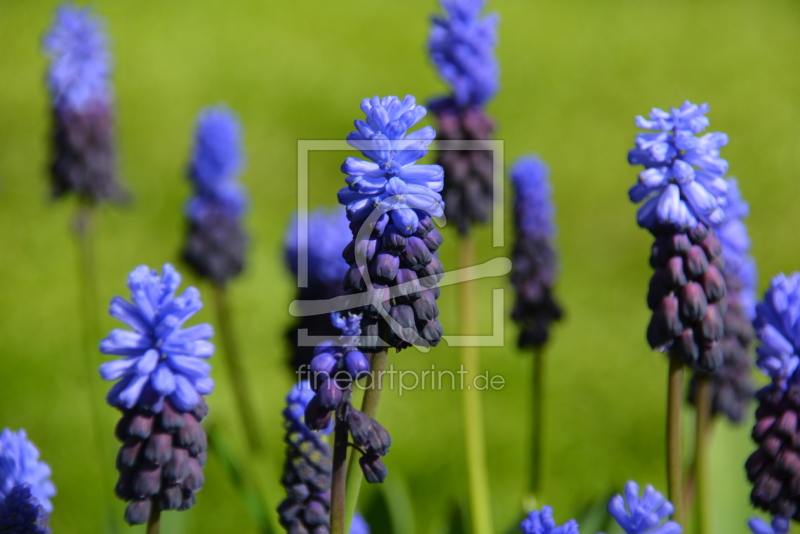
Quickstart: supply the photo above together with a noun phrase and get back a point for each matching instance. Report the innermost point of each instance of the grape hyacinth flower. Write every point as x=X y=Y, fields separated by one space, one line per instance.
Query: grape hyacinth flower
x=21 y=513
x=543 y=523
x=684 y=194
x=336 y=365
x=732 y=385
x=774 y=468
x=359 y=525
x=163 y=378
x=778 y=525
x=83 y=156
x=390 y=200
x=461 y=45
x=648 y=514
x=328 y=234
x=216 y=243
x=20 y=465
x=534 y=270
x=307 y=470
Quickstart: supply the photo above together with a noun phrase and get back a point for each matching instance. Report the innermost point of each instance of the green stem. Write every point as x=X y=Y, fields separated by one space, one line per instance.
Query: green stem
x=241 y=390
x=369 y=405
x=702 y=446
x=477 y=476
x=339 y=479
x=154 y=521
x=536 y=422
x=674 y=456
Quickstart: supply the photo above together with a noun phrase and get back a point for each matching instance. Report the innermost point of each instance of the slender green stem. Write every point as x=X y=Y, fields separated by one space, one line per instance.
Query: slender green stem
x=369 y=405
x=154 y=521
x=702 y=446
x=477 y=476
x=674 y=455
x=339 y=479
x=536 y=422
x=241 y=390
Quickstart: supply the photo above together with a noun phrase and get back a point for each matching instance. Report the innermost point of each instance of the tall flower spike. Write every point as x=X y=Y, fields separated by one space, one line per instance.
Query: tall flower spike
x=164 y=377
x=543 y=523
x=535 y=261
x=335 y=367
x=732 y=385
x=83 y=158
x=21 y=513
x=216 y=243
x=462 y=46
x=685 y=193
x=394 y=265
x=20 y=465
x=778 y=525
x=647 y=514
x=774 y=468
x=328 y=234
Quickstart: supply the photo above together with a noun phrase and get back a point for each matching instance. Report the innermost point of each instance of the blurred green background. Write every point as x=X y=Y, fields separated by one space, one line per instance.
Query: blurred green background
x=574 y=74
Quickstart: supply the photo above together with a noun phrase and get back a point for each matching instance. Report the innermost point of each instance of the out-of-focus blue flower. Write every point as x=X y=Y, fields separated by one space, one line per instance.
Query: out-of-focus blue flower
x=359 y=525
x=643 y=515
x=392 y=181
x=20 y=464
x=296 y=403
x=162 y=360
x=543 y=523
x=216 y=162
x=328 y=234
x=79 y=61
x=777 y=325
x=21 y=513
x=740 y=267
x=533 y=205
x=462 y=47
x=779 y=525
x=683 y=182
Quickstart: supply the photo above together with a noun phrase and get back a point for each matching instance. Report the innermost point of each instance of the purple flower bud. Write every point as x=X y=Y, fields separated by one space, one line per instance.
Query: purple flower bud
x=357 y=364
x=375 y=471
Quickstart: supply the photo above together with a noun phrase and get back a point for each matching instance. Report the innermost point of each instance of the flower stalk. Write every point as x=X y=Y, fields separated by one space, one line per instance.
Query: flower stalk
x=674 y=439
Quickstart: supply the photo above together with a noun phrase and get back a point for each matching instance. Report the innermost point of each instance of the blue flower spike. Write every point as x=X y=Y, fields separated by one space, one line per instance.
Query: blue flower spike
x=648 y=514
x=20 y=464
x=778 y=525
x=683 y=182
x=542 y=522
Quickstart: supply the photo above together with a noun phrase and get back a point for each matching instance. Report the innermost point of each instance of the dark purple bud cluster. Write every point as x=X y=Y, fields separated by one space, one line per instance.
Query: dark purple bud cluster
x=687 y=296
x=535 y=308
x=731 y=383
x=83 y=159
x=399 y=275
x=215 y=246
x=161 y=460
x=468 y=190
x=774 y=468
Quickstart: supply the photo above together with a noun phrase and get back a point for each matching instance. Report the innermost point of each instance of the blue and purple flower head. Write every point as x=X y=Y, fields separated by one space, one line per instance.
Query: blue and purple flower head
x=648 y=514
x=461 y=45
x=532 y=198
x=777 y=325
x=79 y=71
x=20 y=465
x=683 y=182
x=543 y=523
x=216 y=162
x=161 y=360
x=739 y=264
x=778 y=525
x=392 y=181
x=327 y=236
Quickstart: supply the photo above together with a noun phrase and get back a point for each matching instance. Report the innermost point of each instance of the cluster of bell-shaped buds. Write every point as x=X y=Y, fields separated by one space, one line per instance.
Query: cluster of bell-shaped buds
x=732 y=384
x=461 y=45
x=391 y=200
x=319 y=248
x=335 y=368
x=163 y=378
x=83 y=155
x=535 y=258
x=684 y=193
x=216 y=243
x=25 y=486
x=542 y=522
x=774 y=468
x=778 y=525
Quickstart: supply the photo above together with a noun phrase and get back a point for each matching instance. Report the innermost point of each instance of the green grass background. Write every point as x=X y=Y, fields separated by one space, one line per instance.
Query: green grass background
x=574 y=74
